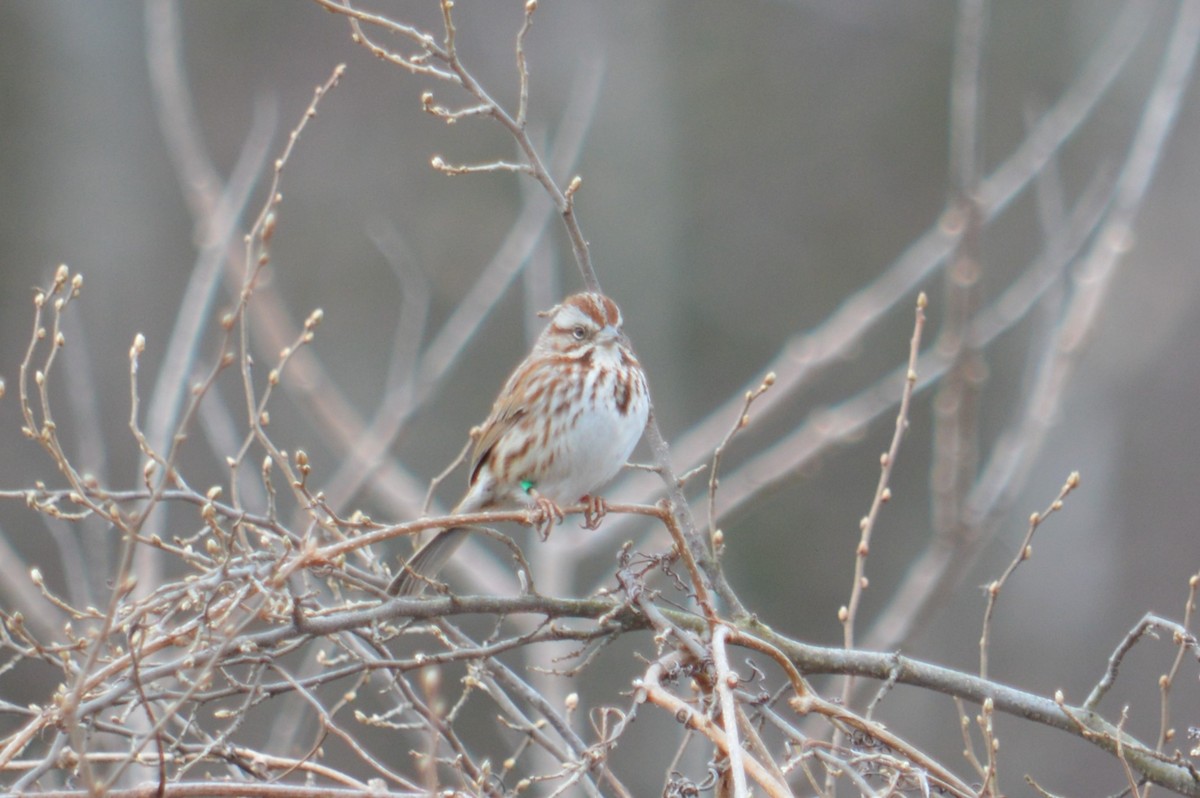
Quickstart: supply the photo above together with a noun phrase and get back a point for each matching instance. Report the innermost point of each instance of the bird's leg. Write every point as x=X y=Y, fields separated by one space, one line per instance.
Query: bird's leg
x=594 y=510
x=545 y=512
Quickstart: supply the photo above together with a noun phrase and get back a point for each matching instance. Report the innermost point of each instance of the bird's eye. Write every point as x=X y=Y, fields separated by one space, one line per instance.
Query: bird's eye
x=579 y=333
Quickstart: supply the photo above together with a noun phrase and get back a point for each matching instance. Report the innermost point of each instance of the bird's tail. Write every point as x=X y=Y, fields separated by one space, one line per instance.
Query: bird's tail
x=427 y=562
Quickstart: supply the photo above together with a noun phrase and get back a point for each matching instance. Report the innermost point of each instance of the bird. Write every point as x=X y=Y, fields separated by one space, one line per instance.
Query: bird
x=565 y=422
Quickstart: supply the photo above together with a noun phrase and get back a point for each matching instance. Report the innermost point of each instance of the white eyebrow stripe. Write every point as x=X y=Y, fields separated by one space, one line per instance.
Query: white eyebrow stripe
x=570 y=316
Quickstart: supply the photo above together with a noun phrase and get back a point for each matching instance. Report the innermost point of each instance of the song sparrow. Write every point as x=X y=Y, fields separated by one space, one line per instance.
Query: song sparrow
x=564 y=424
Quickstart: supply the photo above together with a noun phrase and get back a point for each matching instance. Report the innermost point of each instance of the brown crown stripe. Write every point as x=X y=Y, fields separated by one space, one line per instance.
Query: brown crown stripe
x=599 y=308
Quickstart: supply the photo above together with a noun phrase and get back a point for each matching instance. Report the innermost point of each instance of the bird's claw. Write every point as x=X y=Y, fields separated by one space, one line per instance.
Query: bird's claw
x=545 y=515
x=594 y=510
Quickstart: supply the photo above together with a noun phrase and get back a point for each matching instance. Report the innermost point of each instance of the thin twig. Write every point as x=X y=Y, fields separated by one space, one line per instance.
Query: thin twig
x=848 y=613
x=1168 y=679
x=743 y=421
x=1023 y=553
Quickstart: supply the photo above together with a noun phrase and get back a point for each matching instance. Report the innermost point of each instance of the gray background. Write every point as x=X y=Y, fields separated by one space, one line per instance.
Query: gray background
x=749 y=165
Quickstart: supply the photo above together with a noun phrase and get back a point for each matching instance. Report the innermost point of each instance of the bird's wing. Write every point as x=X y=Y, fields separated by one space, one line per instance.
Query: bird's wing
x=511 y=406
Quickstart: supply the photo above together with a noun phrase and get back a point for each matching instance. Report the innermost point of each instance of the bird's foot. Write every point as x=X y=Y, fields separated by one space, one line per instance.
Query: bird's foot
x=594 y=510
x=545 y=515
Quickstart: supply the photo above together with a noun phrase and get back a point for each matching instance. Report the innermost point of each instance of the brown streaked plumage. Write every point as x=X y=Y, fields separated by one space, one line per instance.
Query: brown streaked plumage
x=564 y=424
